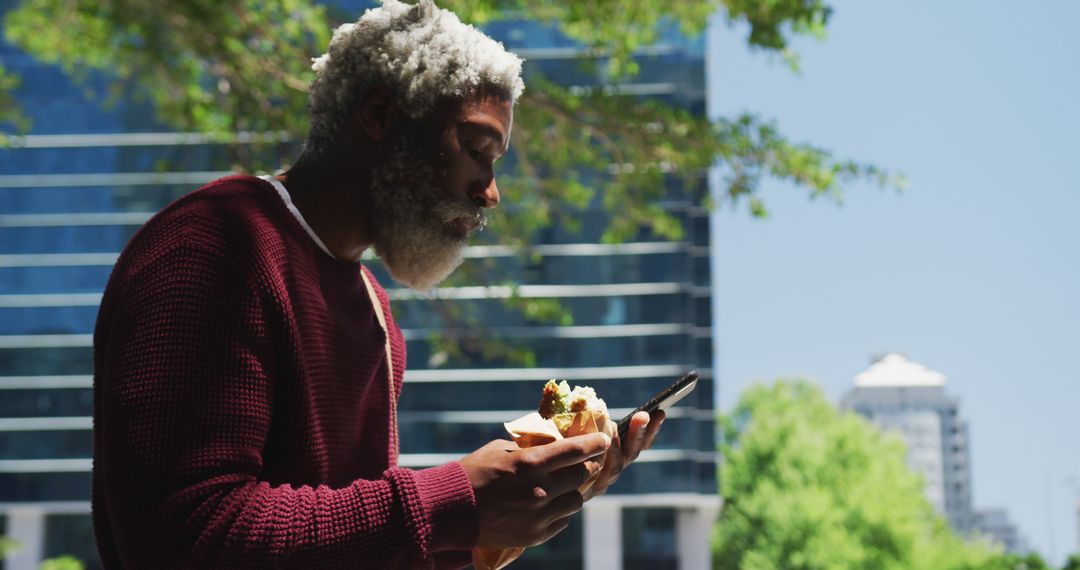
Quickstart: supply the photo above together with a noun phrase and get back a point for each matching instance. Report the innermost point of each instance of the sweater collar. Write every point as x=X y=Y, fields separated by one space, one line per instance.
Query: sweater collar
x=291 y=207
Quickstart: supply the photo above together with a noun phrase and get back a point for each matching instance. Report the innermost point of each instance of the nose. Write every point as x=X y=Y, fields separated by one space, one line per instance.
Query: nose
x=486 y=196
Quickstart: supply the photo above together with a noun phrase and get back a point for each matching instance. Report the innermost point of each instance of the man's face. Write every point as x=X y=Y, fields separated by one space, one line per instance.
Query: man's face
x=431 y=192
x=476 y=136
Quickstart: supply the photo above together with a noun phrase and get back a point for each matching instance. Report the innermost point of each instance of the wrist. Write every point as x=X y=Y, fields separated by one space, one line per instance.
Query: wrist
x=446 y=493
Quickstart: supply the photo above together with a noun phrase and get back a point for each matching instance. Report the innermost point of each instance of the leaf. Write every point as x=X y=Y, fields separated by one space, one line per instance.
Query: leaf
x=806 y=486
x=66 y=562
x=243 y=66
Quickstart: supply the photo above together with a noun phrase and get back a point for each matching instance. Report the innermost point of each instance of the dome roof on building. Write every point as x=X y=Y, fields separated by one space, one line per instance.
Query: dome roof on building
x=893 y=370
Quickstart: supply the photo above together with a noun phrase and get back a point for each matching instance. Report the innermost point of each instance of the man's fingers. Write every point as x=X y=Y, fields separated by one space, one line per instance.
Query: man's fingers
x=568 y=478
x=612 y=466
x=635 y=436
x=613 y=463
x=503 y=444
x=654 y=429
x=657 y=418
x=565 y=452
x=643 y=431
x=563 y=506
x=637 y=424
x=553 y=529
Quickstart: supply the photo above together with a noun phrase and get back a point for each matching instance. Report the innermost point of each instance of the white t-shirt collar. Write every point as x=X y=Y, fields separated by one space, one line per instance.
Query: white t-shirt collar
x=285 y=197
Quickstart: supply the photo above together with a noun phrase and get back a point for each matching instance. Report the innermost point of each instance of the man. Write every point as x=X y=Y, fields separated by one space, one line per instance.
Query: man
x=247 y=367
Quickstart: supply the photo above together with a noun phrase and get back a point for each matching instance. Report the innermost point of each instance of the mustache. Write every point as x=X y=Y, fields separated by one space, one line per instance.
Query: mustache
x=448 y=210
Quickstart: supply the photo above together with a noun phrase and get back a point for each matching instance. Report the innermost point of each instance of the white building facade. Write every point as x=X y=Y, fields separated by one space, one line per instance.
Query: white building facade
x=908 y=398
x=996 y=525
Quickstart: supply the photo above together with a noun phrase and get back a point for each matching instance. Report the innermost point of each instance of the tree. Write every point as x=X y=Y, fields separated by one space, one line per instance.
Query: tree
x=9 y=546
x=205 y=66
x=242 y=66
x=62 y=563
x=808 y=487
x=1020 y=562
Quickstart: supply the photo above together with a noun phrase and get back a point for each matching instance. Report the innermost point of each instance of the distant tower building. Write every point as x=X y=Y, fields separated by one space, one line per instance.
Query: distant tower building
x=1078 y=524
x=996 y=525
x=900 y=395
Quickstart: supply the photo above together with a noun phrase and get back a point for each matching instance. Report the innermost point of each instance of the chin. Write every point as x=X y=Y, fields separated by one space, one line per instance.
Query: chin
x=422 y=270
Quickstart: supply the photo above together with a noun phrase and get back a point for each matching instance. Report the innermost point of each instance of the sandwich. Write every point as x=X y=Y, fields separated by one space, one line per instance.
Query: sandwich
x=567 y=408
x=563 y=412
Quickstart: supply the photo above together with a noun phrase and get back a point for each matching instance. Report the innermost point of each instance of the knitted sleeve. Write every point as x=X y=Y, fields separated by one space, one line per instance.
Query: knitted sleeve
x=185 y=400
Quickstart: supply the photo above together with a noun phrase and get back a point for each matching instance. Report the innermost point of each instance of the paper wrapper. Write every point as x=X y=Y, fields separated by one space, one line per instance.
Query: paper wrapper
x=531 y=430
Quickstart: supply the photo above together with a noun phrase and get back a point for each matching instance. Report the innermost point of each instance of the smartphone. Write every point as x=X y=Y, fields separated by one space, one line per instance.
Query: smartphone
x=663 y=400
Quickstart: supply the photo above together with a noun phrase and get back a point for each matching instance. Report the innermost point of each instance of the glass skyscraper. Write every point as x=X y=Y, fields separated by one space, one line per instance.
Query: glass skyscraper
x=87 y=178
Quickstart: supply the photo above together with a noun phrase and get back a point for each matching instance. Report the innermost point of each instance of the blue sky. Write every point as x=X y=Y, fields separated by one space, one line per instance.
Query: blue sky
x=973 y=270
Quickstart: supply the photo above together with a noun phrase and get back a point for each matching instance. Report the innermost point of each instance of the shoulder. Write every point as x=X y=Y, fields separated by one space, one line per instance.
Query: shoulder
x=234 y=219
x=221 y=203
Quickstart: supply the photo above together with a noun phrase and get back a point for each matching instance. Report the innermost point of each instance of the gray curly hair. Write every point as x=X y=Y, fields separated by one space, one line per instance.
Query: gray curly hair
x=421 y=53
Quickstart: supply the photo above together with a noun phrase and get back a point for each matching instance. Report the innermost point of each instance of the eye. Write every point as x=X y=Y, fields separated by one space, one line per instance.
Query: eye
x=478 y=155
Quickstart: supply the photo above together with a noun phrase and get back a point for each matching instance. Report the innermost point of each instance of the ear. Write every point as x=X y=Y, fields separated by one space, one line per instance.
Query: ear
x=377 y=113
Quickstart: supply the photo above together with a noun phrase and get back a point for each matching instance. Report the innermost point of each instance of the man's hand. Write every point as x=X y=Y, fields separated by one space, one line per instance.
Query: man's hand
x=640 y=436
x=526 y=496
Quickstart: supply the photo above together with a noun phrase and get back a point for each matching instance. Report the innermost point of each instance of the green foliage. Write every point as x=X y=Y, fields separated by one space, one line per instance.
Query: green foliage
x=62 y=563
x=11 y=118
x=243 y=66
x=807 y=487
x=618 y=28
x=215 y=67
x=1073 y=563
x=8 y=546
x=208 y=66
x=1018 y=562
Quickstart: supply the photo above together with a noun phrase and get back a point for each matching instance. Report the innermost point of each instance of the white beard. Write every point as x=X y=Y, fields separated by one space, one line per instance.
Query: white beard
x=409 y=217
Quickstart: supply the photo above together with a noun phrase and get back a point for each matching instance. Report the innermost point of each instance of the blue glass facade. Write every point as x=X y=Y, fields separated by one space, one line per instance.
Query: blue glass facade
x=73 y=197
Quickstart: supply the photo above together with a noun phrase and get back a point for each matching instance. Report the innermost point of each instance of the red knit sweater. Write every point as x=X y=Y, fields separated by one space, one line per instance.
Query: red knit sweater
x=243 y=416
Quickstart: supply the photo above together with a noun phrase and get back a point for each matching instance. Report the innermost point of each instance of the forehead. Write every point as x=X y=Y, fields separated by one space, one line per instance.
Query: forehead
x=491 y=114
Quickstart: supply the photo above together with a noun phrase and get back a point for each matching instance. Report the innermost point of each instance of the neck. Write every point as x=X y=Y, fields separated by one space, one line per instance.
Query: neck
x=328 y=196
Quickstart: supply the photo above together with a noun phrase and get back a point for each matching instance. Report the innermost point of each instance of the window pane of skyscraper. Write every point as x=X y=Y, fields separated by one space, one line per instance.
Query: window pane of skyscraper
x=89 y=176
